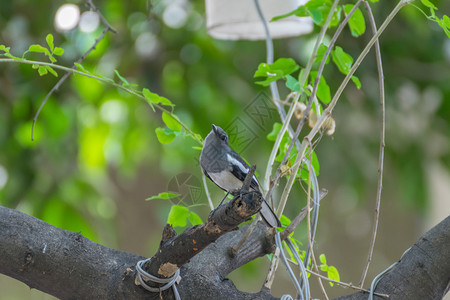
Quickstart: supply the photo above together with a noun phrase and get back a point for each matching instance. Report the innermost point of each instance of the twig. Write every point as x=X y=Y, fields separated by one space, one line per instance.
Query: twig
x=245 y=187
x=308 y=218
x=102 y=19
x=343 y=284
x=208 y=196
x=382 y=144
x=272 y=270
x=61 y=81
x=104 y=80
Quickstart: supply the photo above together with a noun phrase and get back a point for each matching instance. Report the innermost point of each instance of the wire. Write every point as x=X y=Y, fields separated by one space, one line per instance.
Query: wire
x=169 y=282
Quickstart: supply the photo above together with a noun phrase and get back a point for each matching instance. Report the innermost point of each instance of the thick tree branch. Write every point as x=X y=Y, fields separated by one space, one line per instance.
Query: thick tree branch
x=67 y=265
x=423 y=272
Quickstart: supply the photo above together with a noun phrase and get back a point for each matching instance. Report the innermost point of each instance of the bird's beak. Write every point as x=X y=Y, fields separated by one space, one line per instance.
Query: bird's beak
x=214 y=128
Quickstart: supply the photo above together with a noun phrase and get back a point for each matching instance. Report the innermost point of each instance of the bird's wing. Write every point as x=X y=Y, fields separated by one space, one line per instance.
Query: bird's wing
x=239 y=168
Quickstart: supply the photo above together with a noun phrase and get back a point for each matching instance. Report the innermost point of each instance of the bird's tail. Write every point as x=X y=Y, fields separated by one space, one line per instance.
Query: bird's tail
x=268 y=215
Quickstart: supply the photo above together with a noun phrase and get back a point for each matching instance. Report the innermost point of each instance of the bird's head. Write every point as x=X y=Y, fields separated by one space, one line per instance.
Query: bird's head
x=220 y=134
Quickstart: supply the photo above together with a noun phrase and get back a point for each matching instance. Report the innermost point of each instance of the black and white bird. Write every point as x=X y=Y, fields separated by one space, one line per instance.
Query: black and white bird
x=223 y=166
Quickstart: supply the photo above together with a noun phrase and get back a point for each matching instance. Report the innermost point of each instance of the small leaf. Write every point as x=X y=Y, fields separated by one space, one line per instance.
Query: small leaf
x=272 y=136
x=80 y=66
x=163 y=196
x=321 y=53
x=427 y=3
x=38 y=48
x=124 y=81
x=292 y=83
x=58 y=51
x=49 y=40
x=177 y=216
x=301 y=11
x=171 y=122
x=50 y=69
x=52 y=58
x=35 y=66
x=356 y=21
x=165 y=135
x=155 y=98
x=194 y=219
x=323 y=90
x=272 y=72
x=342 y=60
x=42 y=70
x=356 y=82
x=333 y=274
x=323 y=259
x=285 y=221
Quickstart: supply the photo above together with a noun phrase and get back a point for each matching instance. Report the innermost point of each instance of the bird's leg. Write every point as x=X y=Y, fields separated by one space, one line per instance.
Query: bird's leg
x=224 y=199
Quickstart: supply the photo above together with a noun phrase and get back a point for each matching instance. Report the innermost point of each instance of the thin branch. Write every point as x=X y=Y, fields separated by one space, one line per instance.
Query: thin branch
x=61 y=81
x=106 y=81
x=382 y=144
x=344 y=284
x=208 y=196
x=102 y=18
x=308 y=223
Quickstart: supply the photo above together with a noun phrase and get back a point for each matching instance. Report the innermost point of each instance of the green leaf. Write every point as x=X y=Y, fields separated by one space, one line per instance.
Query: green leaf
x=323 y=259
x=323 y=90
x=428 y=3
x=321 y=53
x=356 y=82
x=356 y=22
x=194 y=219
x=42 y=70
x=38 y=48
x=171 y=122
x=342 y=60
x=300 y=11
x=165 y=135
x=279 y=69
x=35 y=66
x=52 y=59
x=124 y=81
x=49 y=40
x=272 y=136
x=163 y=196
x=4 y=48
x=318 y=10
x=292 y=83
x=333 y=274
x=155 y=98
x=80 y=66
x=58 y=51
x=50 y=69
x=177 y=216
x=285 y=221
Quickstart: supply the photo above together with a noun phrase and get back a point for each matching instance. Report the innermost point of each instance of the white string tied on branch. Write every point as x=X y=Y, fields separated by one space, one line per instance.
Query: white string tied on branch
x=169 y=282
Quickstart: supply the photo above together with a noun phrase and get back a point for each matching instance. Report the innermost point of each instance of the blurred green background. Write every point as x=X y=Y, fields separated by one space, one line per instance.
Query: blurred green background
x=95 y=158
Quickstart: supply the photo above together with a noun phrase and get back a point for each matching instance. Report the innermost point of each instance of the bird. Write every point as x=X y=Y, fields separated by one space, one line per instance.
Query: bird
x=227 y=169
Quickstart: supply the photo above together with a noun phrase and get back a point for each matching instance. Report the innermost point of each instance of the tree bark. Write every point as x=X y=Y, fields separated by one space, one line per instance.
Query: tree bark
x=69 y=266
x=422 y=273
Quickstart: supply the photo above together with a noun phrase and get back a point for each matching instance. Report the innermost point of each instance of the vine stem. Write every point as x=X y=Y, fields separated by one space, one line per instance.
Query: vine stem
x=382 y=144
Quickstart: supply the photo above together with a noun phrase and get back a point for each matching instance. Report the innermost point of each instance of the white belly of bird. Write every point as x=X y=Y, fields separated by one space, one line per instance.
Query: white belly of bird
x=226 y=181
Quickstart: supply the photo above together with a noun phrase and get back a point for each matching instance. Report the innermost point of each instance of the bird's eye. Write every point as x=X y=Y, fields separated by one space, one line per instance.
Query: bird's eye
x=223 y=137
